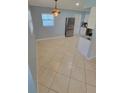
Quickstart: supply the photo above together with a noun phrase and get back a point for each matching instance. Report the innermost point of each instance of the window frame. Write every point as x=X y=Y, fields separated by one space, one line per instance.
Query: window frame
x=47 y=19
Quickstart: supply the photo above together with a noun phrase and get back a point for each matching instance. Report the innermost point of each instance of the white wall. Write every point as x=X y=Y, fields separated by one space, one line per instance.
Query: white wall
x=89 y=3
x=31 y=83
x=77 y=24
x=32 y=73
x=86 y=18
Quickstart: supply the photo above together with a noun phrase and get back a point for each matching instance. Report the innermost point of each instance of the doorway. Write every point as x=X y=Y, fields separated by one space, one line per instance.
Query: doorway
x=69 y=26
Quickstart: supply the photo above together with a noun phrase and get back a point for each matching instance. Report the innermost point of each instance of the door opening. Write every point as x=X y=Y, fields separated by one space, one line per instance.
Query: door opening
x=69 y=26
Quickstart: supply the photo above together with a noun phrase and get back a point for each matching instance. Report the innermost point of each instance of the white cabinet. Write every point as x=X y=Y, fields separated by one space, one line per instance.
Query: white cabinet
x=87 y=47
x=92 y=18
x=83 y=46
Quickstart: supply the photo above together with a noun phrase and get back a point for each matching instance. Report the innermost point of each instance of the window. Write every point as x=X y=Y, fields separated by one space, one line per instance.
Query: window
x=47 y=20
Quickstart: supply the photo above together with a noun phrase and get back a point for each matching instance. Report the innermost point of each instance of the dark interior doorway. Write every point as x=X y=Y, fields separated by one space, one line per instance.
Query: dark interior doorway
x=69 y=26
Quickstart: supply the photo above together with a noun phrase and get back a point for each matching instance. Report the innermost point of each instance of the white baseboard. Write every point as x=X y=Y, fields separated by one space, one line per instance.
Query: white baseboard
x=50 y=38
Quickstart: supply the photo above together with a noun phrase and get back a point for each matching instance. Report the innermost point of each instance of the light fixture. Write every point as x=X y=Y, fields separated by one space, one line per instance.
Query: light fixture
x=56 y=11
x=77 y=4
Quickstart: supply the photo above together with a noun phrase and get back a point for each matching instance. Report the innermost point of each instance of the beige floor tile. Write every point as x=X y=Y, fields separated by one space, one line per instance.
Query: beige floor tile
x=57 y=58
x=93 y=60
x=65 y=68
x=45 y=64
x=91 y=89
x=43 y=59
x=60 y=84
x=78 y=74
x=46 y=78
x=67 y=58
x=43 y=51
x=90 y=65
x=78 y=64
x=54 y=66
x=41 y=70
x=91 y=77
x=56 y=54
x=79 y=58
x=62 y=56
x=43 y=89
x=51 y=91
x=76 y=86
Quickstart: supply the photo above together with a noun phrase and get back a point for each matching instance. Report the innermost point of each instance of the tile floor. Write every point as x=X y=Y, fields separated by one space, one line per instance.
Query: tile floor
x=61 y=68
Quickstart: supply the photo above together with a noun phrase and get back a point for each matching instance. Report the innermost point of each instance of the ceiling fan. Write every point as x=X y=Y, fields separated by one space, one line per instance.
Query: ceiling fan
x=55 y=10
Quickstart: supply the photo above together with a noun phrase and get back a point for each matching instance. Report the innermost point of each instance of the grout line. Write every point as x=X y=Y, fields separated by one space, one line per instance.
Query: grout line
x=48 y=88
x=91 y=85
x=77 y=79
x=91 y=70
x=69 y=83
x=83 y=68
x=37 y=68
x=69 y=80
x=54 y=78
x=85 y=75
x=52 y=90
x=86 y=81
x=72 y=65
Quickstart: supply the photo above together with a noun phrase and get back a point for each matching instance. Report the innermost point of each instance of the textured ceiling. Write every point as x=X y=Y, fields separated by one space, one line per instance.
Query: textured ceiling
x=64 y=4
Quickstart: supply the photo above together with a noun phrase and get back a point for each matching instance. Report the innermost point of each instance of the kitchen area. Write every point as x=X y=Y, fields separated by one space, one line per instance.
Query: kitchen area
x=87 y=39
